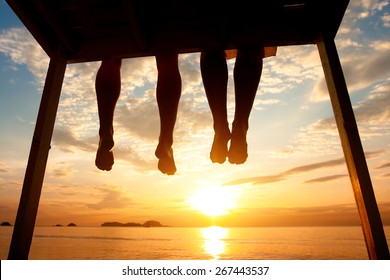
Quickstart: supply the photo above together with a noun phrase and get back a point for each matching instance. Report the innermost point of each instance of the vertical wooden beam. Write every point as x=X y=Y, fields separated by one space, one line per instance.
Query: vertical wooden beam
x=353 y=151
x=32 y=186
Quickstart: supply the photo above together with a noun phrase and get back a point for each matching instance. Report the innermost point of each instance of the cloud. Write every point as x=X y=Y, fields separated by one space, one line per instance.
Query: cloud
x=134 y=158
x=371 y=6
x=65 y=140
x=139 y=118
x=16 y=42
x=361 y=70
x=322 y=137
x=314 y=166
x=2 y=168
x=319 y=137
x=386 y=165
x=323 y=209
x=62 y=170
x=137 y=72
x=190 y=72
x=297 y=170
x=292 y=66
x=259 y=180
x=365 y=60
x=111 y=198
x=372 y=116
x=325 y=179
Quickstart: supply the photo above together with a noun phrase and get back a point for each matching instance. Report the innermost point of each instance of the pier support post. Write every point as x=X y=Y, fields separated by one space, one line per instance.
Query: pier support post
x=353 y=151
x=35 y=172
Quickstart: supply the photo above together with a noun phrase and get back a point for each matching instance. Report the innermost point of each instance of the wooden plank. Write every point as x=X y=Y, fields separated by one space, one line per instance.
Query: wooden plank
x=55 y=21
x=353 y=151
x=169 y=25
x=135 y=25
x=32 y=186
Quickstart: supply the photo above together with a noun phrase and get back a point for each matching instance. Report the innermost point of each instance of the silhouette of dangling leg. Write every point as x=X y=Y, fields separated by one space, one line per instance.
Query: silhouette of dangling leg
x=168 y=95
x=108 y=87
x=215 y=78
x=247 y=73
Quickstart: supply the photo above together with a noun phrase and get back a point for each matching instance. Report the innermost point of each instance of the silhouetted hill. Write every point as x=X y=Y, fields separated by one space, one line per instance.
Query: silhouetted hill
x=5 y=224
x=72 y=225
x=117 y=224
x=150 y=223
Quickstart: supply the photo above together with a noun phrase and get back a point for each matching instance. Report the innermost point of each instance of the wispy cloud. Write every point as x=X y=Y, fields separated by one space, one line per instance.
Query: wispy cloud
x=64 y=138
x=385 y=165
x=2 y=167
x=297 y=170
x=321 y=136
x=111 y=198
x=16 y=42
x=259 y=180
x=63 y=171
x=314 y=166
x=325 y=179
x=365 y=61
x=361 y=68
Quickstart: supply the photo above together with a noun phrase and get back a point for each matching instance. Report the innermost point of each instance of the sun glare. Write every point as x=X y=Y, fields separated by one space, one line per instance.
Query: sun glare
x=214 y=200
x=214 y=240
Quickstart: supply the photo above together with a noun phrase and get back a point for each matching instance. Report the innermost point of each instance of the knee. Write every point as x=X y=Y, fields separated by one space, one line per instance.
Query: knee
x=250 y=54
x=111 y=64
x=214 y=55
x=167 y=63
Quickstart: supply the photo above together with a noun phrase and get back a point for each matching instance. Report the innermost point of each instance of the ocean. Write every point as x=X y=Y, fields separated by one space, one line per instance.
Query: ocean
x=175 y=243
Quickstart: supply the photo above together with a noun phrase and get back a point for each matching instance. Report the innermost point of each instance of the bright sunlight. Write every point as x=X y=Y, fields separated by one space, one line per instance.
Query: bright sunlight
x=214 y=200
x=214 y=240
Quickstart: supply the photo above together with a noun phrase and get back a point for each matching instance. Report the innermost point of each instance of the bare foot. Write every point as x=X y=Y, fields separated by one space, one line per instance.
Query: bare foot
x=238 y=151
x=104 y=156
x=219 y=149
x=166 y=163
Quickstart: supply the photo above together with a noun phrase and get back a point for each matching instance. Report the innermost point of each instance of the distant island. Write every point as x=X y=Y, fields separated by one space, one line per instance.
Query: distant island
x=5 y=224
x=70 y=225
x=146 y=224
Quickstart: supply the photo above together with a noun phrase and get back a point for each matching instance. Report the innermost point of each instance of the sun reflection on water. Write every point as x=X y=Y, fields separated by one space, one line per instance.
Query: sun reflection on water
x=214 y=241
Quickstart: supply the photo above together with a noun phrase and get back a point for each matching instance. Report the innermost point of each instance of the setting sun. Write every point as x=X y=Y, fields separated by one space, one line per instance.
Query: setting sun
x=214 y=200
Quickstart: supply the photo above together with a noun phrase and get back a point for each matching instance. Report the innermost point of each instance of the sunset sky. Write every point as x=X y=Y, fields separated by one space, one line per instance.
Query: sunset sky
x=295 y=173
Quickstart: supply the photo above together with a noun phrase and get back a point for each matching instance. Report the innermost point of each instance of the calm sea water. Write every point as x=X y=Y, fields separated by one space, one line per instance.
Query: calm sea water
x=121 y=243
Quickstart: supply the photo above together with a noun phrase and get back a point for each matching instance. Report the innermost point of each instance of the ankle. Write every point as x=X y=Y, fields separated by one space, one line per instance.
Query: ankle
x=106 y=133
x=221 y=129
x=239 y=128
